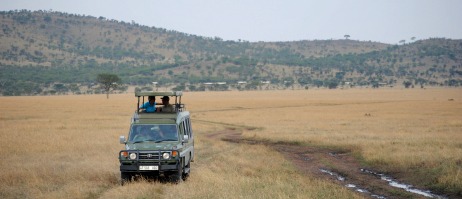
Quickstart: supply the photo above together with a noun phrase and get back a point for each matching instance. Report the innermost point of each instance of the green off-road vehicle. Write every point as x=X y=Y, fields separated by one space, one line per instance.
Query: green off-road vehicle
x=160 y=143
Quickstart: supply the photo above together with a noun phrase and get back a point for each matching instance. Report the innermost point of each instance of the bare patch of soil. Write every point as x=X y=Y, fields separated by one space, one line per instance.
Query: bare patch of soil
x=337 y=166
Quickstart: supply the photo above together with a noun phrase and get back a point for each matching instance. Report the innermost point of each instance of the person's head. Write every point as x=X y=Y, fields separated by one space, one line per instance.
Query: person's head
x=165 y=99
x=152 y=99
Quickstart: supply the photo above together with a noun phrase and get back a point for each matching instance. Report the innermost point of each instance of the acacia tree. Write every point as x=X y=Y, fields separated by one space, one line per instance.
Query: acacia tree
x=108 y=82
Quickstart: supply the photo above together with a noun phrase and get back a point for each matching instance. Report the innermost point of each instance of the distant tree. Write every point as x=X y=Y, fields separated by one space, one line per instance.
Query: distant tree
x=47 y=19
x=339 y=75
x=179 y=88
x=412 y=38
x=332 y=83
x=108 y=82
x=60 y=88
x=2 y=84
x=288 y=81
x=402 y=41
x=74 y=88
x=346 y=36
x=318 y=83
x=192 y=88
x=304 y=80
x=407 y=84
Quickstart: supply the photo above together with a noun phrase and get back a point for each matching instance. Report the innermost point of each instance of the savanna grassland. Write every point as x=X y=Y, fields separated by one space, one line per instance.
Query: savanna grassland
x=67 y=146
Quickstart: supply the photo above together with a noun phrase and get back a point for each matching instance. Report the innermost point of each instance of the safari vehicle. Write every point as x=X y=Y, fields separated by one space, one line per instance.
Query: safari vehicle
x=159 y=144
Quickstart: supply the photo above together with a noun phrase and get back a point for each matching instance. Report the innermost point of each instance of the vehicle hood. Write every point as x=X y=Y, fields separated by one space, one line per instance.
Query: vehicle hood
x=150 y=146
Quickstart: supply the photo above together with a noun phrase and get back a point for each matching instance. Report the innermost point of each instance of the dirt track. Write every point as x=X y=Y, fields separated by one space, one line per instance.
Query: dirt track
x=337 y=166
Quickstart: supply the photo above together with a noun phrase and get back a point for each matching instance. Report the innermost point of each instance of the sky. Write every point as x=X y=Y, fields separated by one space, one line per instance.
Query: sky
x=386 y=21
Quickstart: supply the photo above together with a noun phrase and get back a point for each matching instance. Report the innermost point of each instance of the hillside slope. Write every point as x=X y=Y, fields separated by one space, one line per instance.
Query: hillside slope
x=41 y=49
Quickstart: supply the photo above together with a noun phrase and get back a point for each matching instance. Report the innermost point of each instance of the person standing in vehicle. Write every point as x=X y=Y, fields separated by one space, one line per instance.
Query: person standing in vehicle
x=150 y=105
x=167 y=108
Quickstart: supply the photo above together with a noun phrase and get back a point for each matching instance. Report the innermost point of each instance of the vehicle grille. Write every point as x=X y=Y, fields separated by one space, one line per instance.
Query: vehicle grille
x=149 y=155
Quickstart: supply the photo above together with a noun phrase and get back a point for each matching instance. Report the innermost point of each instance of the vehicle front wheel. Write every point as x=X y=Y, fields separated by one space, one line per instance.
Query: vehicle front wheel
x=125 y=177
x=177 y=177
x=186 y=171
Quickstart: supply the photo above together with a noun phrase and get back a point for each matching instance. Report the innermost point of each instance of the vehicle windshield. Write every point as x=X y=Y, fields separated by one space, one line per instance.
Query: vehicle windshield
x=153 y=133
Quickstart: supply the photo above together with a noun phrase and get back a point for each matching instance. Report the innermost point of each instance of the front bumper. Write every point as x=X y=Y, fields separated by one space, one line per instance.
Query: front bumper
x=124 y=167
x=147 y=158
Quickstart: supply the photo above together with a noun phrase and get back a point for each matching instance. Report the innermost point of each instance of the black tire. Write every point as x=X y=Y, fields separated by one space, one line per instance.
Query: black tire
x=186 y=175
x=177 y=177
x=125 y=177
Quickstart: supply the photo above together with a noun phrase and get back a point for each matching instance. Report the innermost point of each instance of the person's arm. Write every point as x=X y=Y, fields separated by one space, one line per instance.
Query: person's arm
x=142 y=107
x=158 y=109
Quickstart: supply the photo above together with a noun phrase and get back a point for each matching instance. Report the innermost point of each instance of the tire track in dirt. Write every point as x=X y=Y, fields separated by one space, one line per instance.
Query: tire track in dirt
x=337 y=166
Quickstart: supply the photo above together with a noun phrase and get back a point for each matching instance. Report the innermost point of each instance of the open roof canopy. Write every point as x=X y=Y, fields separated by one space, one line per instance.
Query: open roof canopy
x=158 y=93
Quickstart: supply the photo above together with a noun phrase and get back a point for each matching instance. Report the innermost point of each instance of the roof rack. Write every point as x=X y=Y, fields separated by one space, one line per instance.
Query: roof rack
x=158 y=93
x=179 y=107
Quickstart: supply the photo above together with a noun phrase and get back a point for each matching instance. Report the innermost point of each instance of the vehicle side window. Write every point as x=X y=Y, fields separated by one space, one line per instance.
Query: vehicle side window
x=186 y=132
x=182 y=132
x=186 y=127
x=188 y=124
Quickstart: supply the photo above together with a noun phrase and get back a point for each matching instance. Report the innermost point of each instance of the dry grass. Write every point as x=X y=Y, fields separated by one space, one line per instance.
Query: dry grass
x=414 y=131
x=59 y=146
x=66 y=146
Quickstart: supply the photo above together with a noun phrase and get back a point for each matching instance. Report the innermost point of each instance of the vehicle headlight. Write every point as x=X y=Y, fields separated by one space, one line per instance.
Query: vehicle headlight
x=132 y=156
x=166 y=156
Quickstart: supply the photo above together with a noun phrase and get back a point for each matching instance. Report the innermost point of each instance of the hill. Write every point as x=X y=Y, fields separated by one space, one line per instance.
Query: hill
x=43 y=52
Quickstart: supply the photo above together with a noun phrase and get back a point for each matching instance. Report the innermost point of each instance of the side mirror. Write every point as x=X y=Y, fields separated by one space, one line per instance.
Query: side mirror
x=122 y=139
x=185 y=139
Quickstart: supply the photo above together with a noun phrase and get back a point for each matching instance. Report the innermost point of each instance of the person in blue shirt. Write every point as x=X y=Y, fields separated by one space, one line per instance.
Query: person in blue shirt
x=150 y=105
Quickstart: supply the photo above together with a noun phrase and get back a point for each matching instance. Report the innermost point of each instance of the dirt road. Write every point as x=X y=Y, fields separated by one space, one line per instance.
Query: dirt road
x=337 y=166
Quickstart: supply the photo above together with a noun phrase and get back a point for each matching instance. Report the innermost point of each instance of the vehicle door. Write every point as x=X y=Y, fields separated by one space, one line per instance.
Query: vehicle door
x=188 y=144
